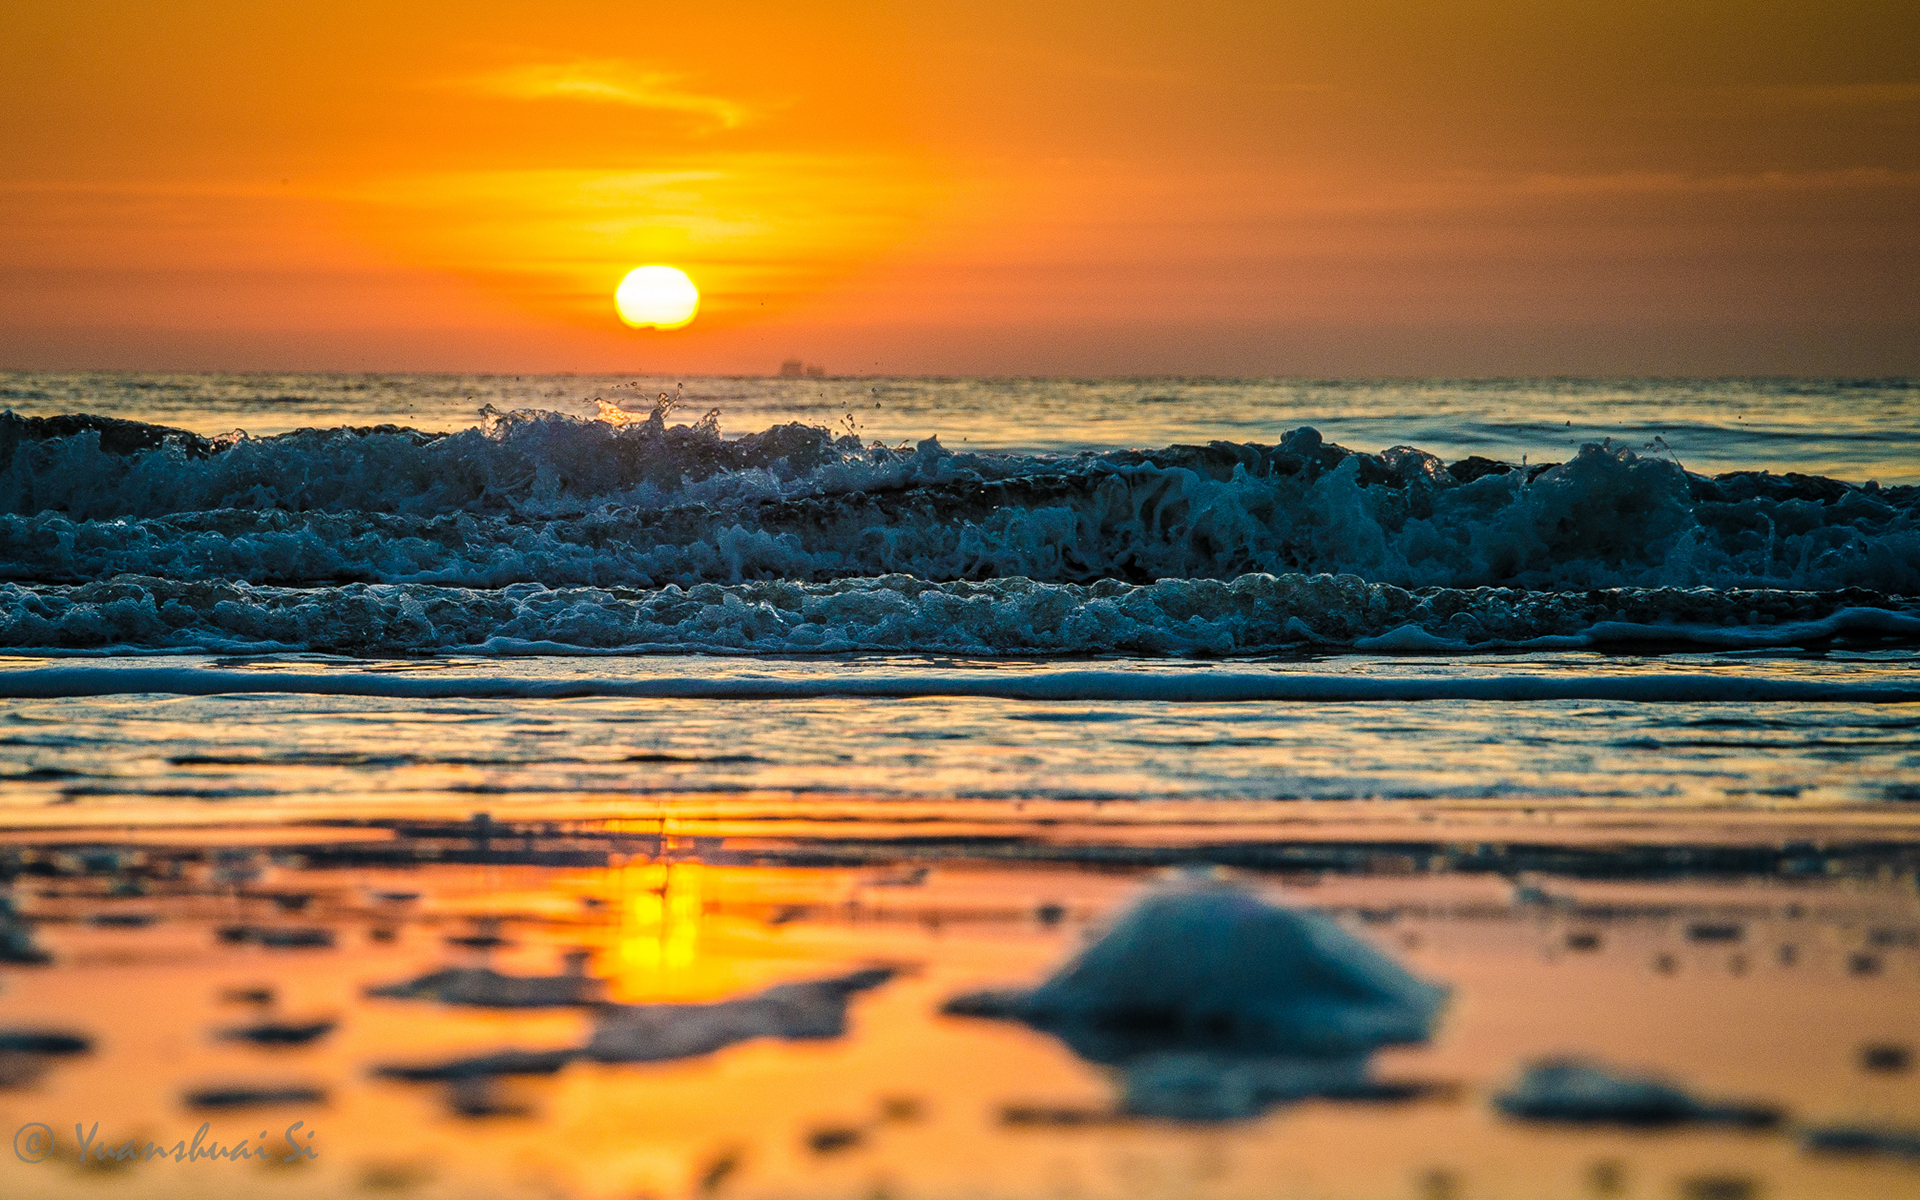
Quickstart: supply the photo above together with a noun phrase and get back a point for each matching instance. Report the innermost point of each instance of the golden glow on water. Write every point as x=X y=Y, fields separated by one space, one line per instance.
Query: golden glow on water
x=658 y=936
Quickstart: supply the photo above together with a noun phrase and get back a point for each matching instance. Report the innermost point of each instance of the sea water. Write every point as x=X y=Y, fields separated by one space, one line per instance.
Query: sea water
x=1140 y=545
x=1594 y=700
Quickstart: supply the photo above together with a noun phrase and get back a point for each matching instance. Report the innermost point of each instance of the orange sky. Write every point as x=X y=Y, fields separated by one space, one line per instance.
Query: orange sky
x=1366 y=187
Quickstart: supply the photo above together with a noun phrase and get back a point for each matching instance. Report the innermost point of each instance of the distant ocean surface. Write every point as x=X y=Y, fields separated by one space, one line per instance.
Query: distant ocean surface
x=1853 y=430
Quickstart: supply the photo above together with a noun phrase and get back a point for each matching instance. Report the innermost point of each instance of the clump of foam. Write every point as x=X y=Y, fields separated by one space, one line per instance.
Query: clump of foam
x=1207 y=962
x=1215 y=1005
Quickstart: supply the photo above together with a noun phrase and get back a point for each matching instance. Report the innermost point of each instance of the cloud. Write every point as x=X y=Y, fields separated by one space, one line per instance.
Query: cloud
x=606 y=81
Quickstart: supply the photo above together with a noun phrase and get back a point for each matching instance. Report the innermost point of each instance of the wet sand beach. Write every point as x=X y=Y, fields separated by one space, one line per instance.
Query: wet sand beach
x=1781 y=980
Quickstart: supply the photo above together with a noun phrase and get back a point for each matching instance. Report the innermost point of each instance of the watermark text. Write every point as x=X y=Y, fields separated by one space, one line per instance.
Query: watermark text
x=35 y=1142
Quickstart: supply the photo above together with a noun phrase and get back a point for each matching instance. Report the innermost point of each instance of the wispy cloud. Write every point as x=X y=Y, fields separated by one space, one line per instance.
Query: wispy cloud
x=606 y=81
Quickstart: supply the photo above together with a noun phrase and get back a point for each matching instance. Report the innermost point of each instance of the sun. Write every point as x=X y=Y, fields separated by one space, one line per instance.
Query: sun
x=656 y=298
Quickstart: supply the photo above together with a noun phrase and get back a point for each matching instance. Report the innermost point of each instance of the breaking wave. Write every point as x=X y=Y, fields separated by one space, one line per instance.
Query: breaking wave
x=544 y=532
x=900 y=614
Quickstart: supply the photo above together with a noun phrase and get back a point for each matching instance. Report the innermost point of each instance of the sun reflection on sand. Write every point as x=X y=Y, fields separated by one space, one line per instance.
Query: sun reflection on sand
x=658 y=936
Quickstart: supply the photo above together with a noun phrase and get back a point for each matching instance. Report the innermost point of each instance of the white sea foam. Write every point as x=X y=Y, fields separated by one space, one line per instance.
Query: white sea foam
x=897 y=613
x=555 y=500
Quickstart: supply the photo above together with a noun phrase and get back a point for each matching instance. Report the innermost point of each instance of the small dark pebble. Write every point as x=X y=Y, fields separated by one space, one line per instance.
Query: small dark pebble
x=1719 y=1187
x=486 y=935
x=475 y=1096
x=1854 y=1139
x=1050 y=914
x=834 y=1138
x=124 y=920
x=43 y=1041
x=277 y=1033
x=21 y=1070
x=500 y=1062
x=1608 y=1177
x=41 y=774
x=719 y=1169
x=276 y=937
x=247 y=995
x=1583 y=941
x=293 y=938
x=1886 y=1058
x=910 y=877
x=1706 y=931
x=247 y=1097
x=1440 y=1184
x=1864 y=964
x=1058 y=1117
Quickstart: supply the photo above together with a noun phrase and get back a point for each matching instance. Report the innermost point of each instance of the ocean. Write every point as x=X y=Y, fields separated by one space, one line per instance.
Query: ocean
x=1592 y=702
